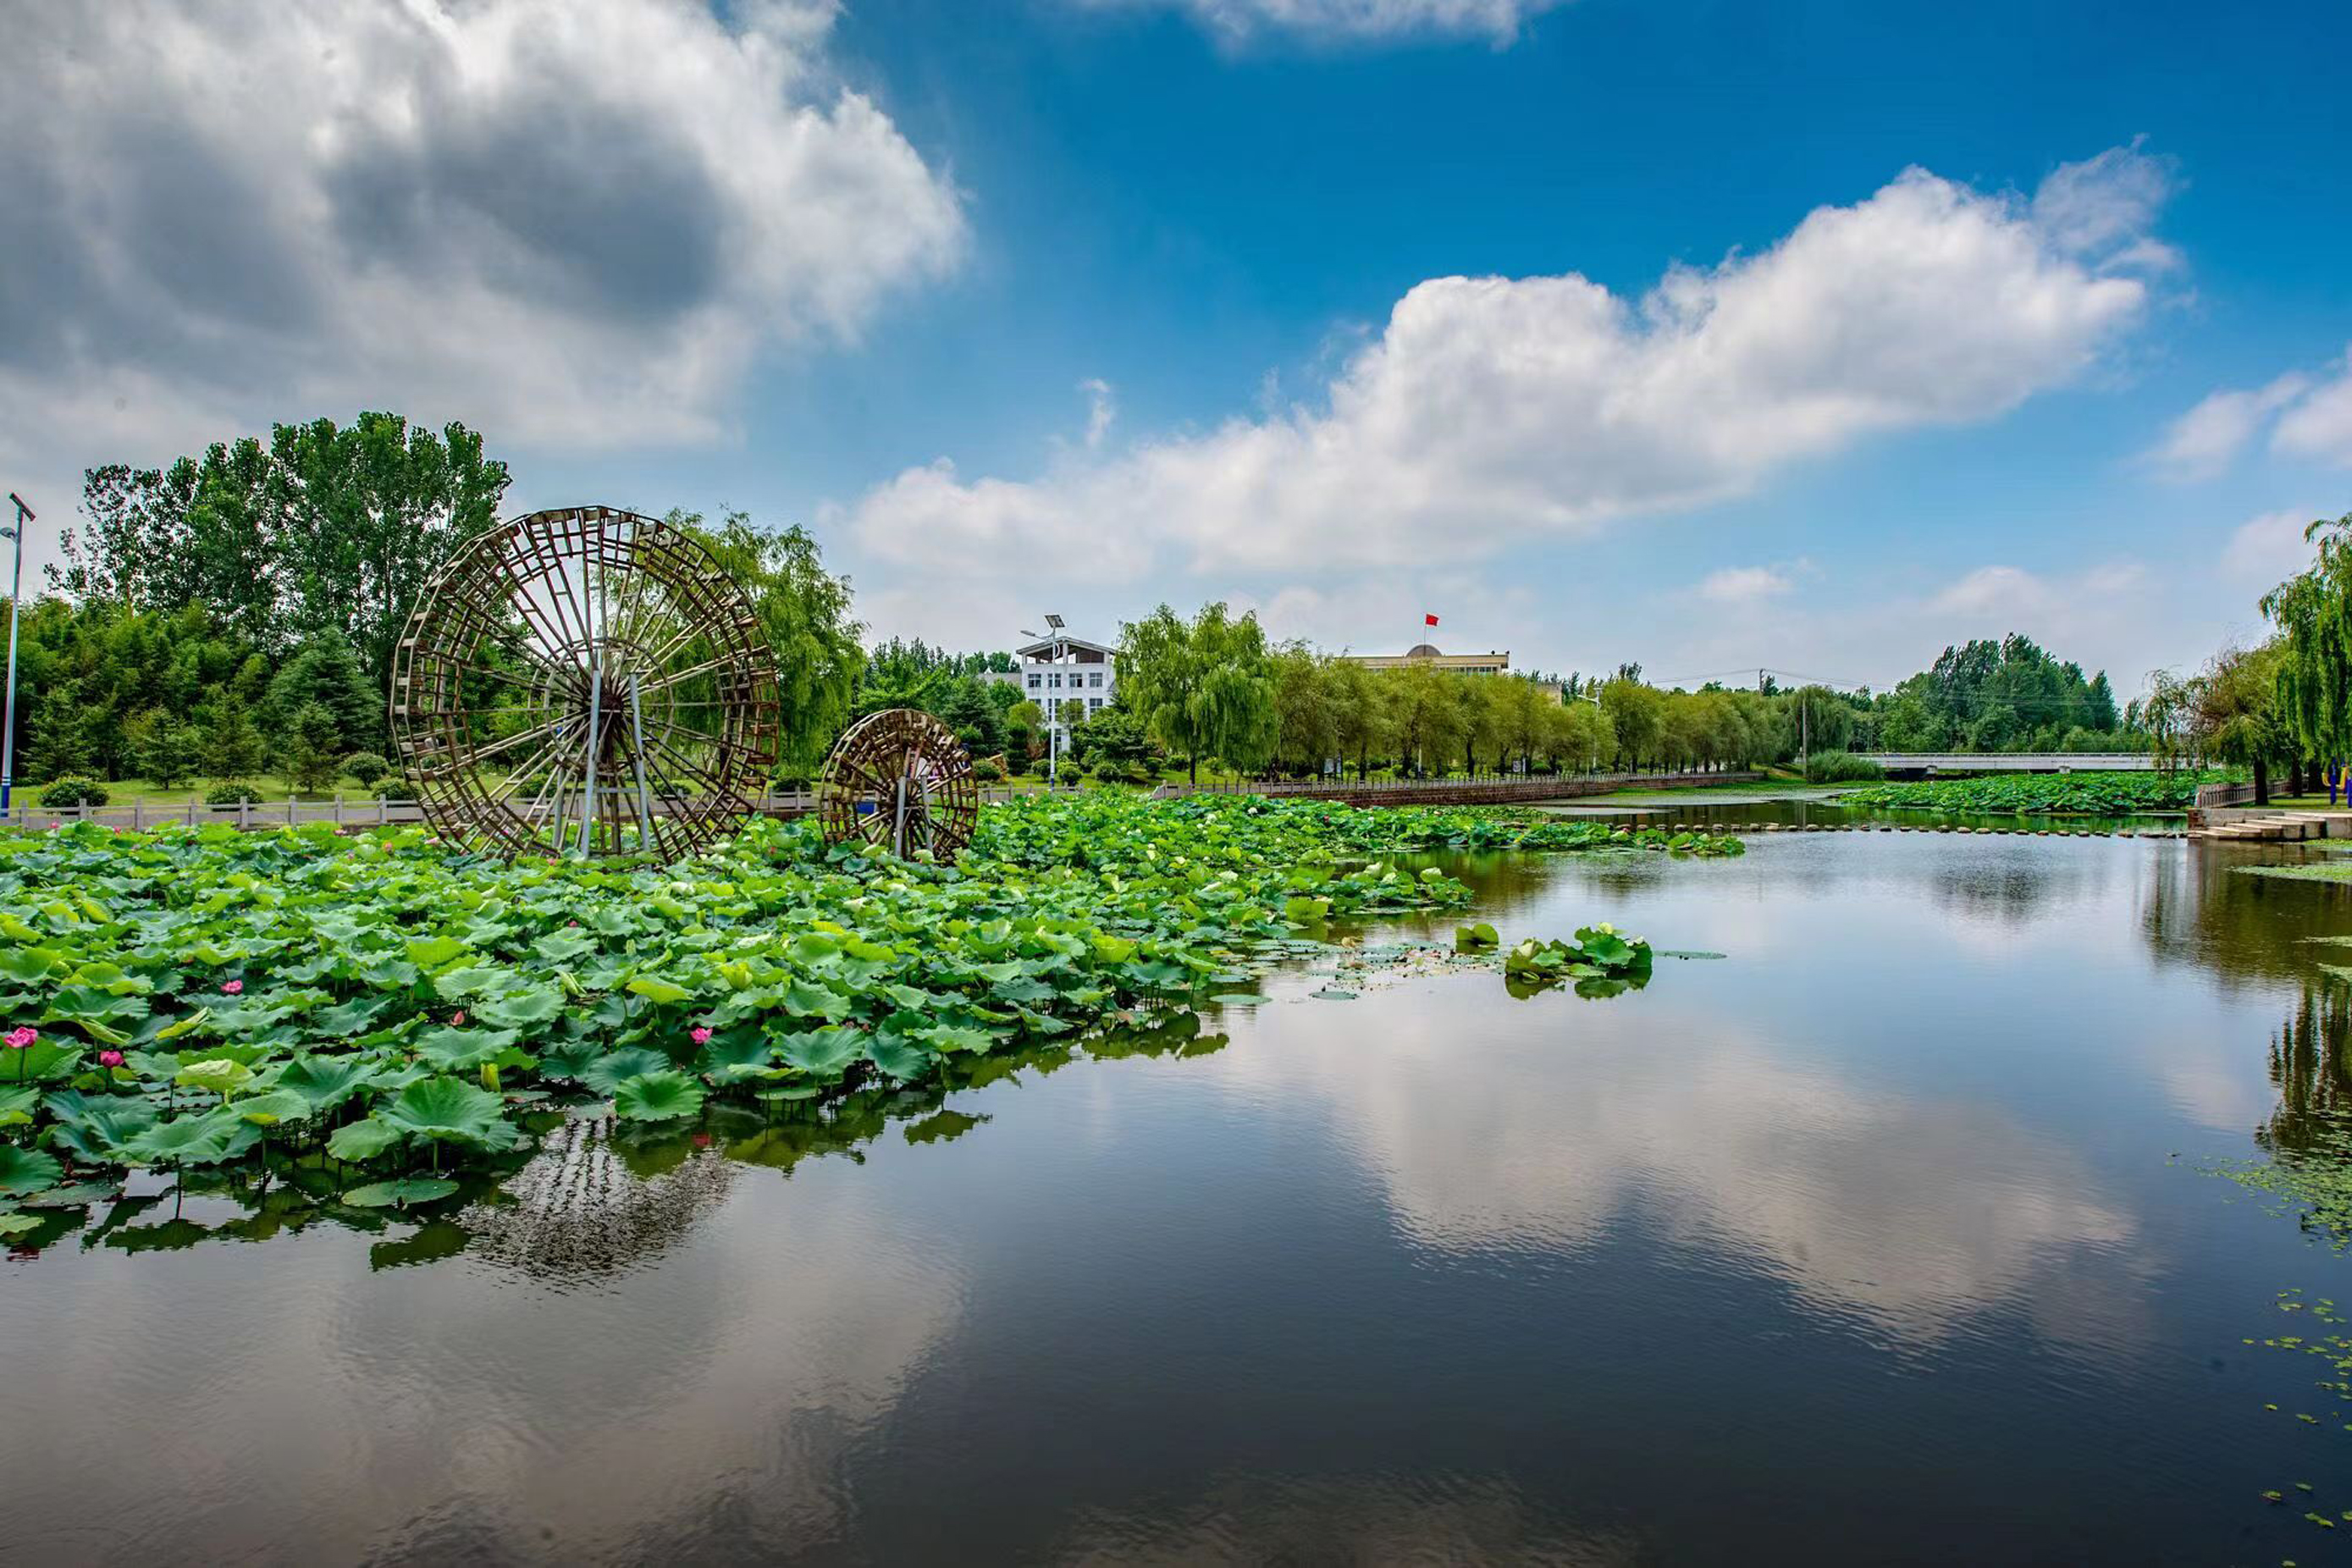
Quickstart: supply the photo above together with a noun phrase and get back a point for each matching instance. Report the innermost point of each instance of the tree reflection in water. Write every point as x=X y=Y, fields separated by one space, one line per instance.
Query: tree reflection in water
x=2314 y=1076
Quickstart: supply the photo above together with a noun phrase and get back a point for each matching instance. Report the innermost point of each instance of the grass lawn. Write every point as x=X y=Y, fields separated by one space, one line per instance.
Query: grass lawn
x=124 y=792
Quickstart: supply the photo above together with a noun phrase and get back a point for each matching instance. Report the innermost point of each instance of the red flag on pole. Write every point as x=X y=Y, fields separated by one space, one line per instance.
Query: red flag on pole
x=1428 y=620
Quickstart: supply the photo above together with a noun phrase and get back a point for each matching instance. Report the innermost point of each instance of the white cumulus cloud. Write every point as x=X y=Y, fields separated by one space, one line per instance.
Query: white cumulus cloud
x=2320 y=423
x=566 y=221
x=1744 y=584
x=2269 y=548
x=2308 y=415
x=2209 y=437
x=1491 y=410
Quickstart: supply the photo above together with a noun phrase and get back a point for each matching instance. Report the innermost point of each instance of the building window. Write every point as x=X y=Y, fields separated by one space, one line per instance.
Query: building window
x=1094 y=677
x=1094 y=704
x=1035 y=680
x=1054 y=681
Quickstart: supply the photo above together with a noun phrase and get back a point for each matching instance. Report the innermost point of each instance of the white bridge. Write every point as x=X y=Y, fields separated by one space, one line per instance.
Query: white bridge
x=2013 y=761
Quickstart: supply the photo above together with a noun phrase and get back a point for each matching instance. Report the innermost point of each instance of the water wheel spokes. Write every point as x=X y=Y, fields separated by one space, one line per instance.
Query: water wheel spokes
x=899 y=780
x=585 y=681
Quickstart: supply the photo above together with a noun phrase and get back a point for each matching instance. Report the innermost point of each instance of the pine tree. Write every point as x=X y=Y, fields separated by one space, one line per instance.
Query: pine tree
x=307 y=750
x=58 y=741
x=232 y=748
x=170 y=752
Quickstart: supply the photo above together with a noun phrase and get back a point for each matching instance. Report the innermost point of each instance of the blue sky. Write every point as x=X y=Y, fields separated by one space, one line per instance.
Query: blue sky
x=1604 y=331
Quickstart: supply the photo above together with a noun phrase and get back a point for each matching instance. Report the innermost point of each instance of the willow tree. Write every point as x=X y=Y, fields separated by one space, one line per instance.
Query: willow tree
x=2313 y=610
x=1202 y=686
x=806 y=613
x=2235 y=711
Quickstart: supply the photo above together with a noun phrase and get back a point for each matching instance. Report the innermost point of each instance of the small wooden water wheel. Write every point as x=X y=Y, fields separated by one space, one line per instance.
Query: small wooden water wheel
x=585 y=680
x=899 y=780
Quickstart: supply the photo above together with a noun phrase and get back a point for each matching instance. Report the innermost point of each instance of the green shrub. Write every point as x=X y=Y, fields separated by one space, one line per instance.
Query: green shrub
x=73 y=791
x=364 y=768
x=1842 y=767
x=1109 y=772
x=986 y=771
x=396 y=789
x=1140 y=773
x=232 y=793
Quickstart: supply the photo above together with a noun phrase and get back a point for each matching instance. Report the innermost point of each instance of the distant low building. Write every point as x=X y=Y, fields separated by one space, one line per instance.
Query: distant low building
x=1064 y=669
x=1423 y=653
x=1453 y=663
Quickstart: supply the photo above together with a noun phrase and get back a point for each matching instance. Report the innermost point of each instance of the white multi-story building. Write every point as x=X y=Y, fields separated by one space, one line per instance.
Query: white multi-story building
x=1064 y=669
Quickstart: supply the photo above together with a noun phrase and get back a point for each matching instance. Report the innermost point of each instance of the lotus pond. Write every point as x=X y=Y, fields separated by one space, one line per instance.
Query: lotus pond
x=1239 y=1186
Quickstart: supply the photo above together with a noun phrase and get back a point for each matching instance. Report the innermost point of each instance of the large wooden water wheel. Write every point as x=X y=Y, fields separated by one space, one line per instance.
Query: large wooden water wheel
x=899 y=780
x=585 y=680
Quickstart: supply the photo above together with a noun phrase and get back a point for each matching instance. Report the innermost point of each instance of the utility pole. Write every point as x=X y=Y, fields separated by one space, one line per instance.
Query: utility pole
x=15 y=614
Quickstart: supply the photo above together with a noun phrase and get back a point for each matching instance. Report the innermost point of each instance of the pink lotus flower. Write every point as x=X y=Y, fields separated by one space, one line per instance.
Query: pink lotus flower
x=232 y=987
x=699 y=1034
x=109 y=1059
x=457 y=1019
x=21 y=1038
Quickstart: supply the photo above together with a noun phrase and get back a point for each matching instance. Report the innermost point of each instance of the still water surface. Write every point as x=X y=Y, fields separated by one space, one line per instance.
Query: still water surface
x=1883 y=1238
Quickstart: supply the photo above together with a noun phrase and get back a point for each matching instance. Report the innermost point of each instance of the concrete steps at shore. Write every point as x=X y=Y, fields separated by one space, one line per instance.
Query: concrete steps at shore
x=2281 y=827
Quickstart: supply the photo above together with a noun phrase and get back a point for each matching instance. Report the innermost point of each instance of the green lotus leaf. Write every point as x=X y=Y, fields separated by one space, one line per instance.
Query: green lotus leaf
x=733 y=1058
x=952 y=1037
x=275 y=1106
x=14 y=1224
x=95 y=1128
x=89 y=1004
x=29 y=965
x=899 y=1059
x=24 y=1172
x=472 y=980
x=400 y=1194
x=448 y=1110
x=569 y=1059
x=519 y=1009
x=326 y=1082
x=215 y=1074
x=183 y=1139
x=362 y=1140
x=1477 y=937
x=435 y=952
x=183 y=1026
x=657 y=1097
x=390 y=973
x=565 y=946
x=462 y=1050
x=802 y=1000
x=822 y=1051
x=604 y=1074
x=659 y=991
x=51 y=1055
x=18 y=1103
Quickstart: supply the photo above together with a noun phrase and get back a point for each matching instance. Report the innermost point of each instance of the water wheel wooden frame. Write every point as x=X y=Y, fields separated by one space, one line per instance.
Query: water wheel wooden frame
x=899 y=780
x=585 y=680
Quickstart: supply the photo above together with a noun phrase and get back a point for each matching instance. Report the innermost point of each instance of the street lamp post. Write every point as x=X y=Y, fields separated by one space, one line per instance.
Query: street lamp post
x=1053 y=720
x=15 y=614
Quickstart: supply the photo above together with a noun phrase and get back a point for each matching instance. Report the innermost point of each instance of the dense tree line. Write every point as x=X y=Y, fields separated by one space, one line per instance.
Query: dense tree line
x=320 y=529
x=2005 y=696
